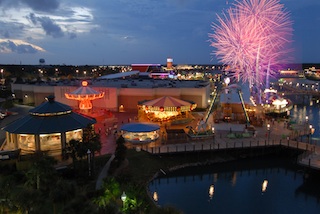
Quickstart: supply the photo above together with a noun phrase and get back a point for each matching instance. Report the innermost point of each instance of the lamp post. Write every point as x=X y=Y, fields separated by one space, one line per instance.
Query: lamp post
x=307 y=118
x=268 y=129
x=89 y=161
x=123 y=199
x=2 y=73
x=311 y=131
x=212 y=129
x=77 y=71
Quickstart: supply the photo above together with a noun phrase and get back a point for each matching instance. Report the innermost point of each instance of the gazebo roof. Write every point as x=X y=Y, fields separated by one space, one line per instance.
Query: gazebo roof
x=167 y=101
x=49 y=117
x=140 y=127
x=50 y=107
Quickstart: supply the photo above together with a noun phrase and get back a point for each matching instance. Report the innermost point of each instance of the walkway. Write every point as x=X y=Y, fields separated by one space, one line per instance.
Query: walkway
x=278 y=135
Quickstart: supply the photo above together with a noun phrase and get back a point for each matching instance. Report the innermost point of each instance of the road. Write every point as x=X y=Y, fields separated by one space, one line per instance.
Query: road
x=17 y=111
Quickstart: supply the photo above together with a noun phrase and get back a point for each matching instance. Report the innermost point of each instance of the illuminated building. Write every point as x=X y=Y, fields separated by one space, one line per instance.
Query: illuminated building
x=47 y=127
x=85 y=95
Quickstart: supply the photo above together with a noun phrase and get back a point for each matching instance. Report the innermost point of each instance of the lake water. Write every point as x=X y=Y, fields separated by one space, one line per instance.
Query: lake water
x=268 y=185
x=312 y=111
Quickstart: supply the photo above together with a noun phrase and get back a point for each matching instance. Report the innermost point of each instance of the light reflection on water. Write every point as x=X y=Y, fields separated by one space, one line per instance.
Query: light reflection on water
x=260 y=190
x=309 y=114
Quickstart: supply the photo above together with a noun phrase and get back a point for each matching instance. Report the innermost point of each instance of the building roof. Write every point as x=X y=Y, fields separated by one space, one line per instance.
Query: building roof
x=119 y=75
x=167 y=101
x=140 y=127
x=50 y=107
x=49 y=117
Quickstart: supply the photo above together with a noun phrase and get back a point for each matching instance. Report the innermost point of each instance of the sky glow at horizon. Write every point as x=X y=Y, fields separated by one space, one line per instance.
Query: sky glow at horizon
x=80 y=32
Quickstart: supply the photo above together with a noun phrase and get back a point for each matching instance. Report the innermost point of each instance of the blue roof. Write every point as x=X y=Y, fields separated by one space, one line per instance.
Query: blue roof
x=49 y=117
x=140 y=127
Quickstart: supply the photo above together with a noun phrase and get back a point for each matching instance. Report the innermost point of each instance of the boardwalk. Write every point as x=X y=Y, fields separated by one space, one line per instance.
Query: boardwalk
x=279 y=136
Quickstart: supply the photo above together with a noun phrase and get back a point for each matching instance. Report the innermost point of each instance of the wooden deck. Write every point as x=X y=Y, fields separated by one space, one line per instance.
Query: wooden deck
x=309 y=158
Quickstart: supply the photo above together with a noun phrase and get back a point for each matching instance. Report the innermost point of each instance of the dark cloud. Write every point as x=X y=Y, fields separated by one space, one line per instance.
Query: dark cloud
x=42 y=5
x=47 y=24
x=32 y=18
x=37 y=5
x=4 y=33
x=72 y=35
x=50 y=27
x=9 y=46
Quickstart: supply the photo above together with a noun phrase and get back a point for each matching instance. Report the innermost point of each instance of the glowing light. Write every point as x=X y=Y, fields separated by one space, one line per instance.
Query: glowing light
x=264 y=186
x=211 y=191
x=280 y=103
x=84 y=83
x=155 y=196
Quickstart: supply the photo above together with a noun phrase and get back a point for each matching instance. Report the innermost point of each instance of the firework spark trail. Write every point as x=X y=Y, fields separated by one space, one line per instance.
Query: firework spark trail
x=252 y=36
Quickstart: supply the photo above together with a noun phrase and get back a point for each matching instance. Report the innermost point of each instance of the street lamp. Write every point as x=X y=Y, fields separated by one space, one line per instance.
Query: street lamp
x=89 y=161
x=212 y=129
x=123 y=199
x=2 y=73
x=268 y=129
x=77 y=71
x=311 y=131
x=307 y=118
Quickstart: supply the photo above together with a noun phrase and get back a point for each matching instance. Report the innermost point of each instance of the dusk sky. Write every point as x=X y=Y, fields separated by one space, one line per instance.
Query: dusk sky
x=113 y=32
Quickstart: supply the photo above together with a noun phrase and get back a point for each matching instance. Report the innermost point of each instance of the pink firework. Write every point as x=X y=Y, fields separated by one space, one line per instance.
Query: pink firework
x=251 y=38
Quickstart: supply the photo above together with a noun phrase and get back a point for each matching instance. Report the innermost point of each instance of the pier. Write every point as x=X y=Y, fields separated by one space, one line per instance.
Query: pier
x=276 y=137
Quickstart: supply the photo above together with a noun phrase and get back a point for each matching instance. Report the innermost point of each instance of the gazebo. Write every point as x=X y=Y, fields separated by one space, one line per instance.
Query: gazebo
x=47 y=127
x=140 y=133
x=167 y=108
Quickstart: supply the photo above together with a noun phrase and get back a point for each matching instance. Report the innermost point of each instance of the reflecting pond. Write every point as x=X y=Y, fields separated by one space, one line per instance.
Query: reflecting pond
x=268 y=185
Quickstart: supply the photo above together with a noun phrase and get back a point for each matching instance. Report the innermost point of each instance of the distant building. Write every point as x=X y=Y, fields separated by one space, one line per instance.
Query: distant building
x=118 y=92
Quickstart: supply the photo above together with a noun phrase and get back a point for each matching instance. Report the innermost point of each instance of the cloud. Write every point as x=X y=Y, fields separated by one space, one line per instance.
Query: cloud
x=18 y=46
x=47 y=24
x=42 y=5
x=50 y=27
x=36 y=5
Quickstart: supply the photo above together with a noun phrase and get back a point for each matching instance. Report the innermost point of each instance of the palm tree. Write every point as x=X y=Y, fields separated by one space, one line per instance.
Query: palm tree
x=42 y=173
x=72 y=149
x=62 y=192
x=110 y=195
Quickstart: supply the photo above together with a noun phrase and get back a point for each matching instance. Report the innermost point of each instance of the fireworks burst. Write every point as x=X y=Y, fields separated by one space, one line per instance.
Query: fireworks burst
x=251 y=38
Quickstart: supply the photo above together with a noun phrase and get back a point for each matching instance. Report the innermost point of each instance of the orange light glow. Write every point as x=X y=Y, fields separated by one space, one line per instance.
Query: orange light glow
x=84 y=83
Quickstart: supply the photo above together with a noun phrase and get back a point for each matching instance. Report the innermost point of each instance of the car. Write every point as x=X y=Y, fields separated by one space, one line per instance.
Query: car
x=3 y=115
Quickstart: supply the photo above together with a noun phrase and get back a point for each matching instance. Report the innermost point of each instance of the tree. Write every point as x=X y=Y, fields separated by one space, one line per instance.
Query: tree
x=121 y=150
x=62 y=192
x=72 y=149
x=91 y=139
x=111 y=193
x=42 y=173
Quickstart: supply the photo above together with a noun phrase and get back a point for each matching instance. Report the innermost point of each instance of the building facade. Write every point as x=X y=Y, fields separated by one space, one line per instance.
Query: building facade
x=118 y=93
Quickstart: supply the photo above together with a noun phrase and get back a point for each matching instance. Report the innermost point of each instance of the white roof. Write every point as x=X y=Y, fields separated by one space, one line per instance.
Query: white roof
x=119 y=75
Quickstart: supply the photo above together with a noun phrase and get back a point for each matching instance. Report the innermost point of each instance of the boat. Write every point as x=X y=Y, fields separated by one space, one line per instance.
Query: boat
x=312 y=74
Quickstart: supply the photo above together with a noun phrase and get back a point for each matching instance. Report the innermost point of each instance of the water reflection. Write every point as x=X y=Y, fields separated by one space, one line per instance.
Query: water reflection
x=211 y=191
x=264 y=186
x=231 y=190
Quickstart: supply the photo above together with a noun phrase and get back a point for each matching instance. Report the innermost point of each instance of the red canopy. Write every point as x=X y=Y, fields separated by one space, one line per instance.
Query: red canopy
x=168 y=103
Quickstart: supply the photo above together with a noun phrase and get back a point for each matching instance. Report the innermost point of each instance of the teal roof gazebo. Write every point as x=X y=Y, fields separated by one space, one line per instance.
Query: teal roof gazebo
x=47 y=127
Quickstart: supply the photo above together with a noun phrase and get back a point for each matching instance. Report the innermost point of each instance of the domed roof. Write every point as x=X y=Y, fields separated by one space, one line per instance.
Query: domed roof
x=50 y=108
x=140 y=127
x=49 y=117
